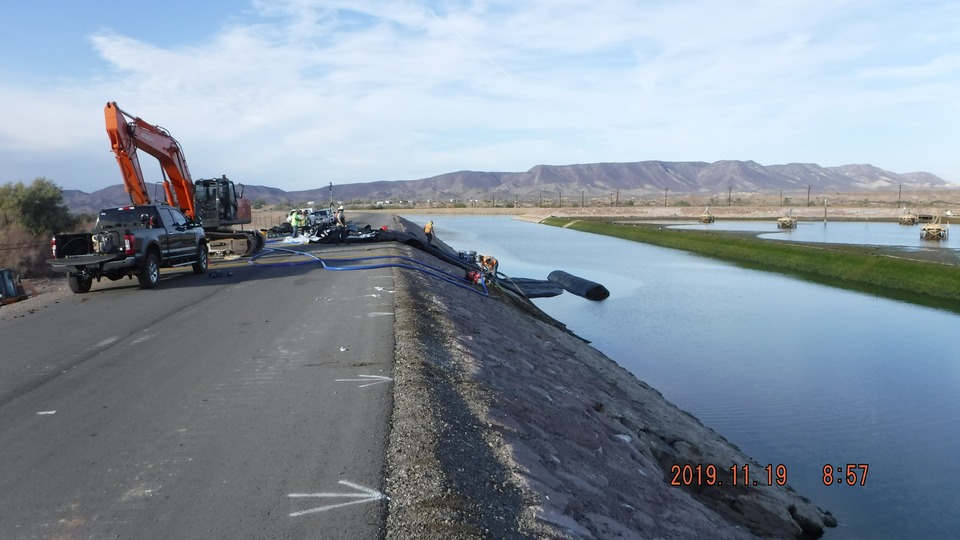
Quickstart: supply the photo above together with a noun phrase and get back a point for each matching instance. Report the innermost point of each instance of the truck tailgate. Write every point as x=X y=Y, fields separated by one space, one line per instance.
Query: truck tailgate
x=67 y=264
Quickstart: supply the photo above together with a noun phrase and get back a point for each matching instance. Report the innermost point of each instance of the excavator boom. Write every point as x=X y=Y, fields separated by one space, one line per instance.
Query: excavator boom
x=126 y=137
x=215 y=202
x=125 y=149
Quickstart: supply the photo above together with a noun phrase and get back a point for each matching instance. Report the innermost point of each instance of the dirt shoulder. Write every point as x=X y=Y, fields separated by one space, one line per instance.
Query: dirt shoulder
x=505 y=425
x=771 y=213
x=43 y=292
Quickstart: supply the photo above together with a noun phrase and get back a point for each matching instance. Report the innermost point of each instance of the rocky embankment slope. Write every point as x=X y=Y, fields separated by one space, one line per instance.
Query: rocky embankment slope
x=505 y=425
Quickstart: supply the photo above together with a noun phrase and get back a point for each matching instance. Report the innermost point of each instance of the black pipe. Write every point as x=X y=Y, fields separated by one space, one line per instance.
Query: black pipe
x=579 y=286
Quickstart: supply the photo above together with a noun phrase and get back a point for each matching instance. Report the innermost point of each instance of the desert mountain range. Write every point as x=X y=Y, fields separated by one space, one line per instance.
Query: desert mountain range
x=642 y=178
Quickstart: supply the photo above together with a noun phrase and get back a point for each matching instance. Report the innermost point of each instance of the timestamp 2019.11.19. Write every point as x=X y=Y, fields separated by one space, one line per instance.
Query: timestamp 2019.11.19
x=698 y=475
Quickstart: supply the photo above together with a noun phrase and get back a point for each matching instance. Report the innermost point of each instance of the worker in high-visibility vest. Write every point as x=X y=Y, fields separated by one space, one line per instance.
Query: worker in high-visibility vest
x=296 y=223
x=488 y=264
x=428 y=230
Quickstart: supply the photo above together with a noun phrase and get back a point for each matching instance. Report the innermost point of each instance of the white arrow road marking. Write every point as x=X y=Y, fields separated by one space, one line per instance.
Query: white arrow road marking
x=369 y=379
x=365 y=495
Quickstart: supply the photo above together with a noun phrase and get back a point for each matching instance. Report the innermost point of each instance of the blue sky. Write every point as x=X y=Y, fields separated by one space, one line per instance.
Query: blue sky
x=298 y=93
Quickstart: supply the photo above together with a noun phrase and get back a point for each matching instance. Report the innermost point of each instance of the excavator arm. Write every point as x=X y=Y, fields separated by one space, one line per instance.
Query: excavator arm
x=127 y=135
x=214 y=202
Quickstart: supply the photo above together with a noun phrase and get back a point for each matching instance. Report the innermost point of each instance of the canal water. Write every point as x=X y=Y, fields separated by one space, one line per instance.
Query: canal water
x=876 y=233
x=794 y=373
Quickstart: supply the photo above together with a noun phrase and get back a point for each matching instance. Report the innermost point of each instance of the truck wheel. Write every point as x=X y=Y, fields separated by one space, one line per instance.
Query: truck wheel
x=79 y=283
x=149 y=274
x=203 y=260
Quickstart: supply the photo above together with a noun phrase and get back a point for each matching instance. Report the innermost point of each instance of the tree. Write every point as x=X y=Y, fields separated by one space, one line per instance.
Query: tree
x=38 y=207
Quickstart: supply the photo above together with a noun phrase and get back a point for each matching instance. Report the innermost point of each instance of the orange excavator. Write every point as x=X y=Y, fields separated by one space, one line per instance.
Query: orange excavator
x=214 y=203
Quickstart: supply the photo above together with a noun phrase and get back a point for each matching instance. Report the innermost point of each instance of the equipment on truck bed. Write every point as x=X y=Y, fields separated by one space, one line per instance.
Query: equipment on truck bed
x=214 y=203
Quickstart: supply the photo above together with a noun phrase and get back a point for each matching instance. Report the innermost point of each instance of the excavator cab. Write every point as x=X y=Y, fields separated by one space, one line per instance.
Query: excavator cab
x=219 y=205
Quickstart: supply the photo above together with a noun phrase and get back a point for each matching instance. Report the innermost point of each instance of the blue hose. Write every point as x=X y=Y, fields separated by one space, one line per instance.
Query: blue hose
x=312 y=259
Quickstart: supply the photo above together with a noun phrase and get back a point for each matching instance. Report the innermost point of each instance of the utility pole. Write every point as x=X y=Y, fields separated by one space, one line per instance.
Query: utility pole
x=617 y=203
x=560 y=198
x=808 y=195
x=541 y=200
x=781 y=196
x=899 y=193
x=331 y=194
x=729 y=195
x=665 y=190
x=581 y=198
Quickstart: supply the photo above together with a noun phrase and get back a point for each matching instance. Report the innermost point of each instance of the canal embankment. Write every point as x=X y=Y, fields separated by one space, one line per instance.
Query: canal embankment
x=506 y=425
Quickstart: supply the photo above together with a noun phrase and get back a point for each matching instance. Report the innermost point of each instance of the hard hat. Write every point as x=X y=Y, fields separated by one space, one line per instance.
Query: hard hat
x=341 y=207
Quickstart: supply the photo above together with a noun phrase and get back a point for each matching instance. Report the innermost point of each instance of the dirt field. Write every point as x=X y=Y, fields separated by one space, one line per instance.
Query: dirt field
x=858 y=205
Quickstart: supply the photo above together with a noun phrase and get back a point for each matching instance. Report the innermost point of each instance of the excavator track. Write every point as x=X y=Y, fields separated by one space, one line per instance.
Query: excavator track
x=224 y=243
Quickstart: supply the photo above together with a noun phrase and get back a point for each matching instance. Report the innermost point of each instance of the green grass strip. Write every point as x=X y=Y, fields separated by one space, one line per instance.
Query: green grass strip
x=863 y=268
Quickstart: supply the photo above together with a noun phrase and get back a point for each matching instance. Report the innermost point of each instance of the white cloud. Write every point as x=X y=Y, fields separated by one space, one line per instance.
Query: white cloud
x=305 y=92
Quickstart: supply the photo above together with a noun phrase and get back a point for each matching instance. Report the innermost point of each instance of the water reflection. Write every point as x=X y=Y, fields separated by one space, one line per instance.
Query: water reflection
x=865 y=232
x=792 y=372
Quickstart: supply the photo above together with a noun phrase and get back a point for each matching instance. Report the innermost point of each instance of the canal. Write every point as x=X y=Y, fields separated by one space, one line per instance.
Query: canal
x=792 y=372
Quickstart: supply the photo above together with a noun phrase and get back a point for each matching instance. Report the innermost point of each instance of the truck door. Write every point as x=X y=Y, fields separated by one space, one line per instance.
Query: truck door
x=179 y=238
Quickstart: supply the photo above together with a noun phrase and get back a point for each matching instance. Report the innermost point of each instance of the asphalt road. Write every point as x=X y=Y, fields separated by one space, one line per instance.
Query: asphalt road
x=250 y=405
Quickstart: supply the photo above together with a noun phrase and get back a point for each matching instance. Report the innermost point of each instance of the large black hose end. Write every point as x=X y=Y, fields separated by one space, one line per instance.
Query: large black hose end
x=579 y=286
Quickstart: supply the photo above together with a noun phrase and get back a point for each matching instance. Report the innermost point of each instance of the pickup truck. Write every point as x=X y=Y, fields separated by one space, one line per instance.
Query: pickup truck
x=322 y=217
x=130 y=241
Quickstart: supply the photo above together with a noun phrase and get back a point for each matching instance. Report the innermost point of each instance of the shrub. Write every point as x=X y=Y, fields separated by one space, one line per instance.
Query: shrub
x=23 y=252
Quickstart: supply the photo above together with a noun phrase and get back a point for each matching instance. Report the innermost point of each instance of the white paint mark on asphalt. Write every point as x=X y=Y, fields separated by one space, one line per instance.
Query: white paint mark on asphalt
x=379 y=313
x=344 y=349
x=46 y=412
x=141 y=339
x=106 y=341
x=363 y=495
x=140 y=492
x=369 y=379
